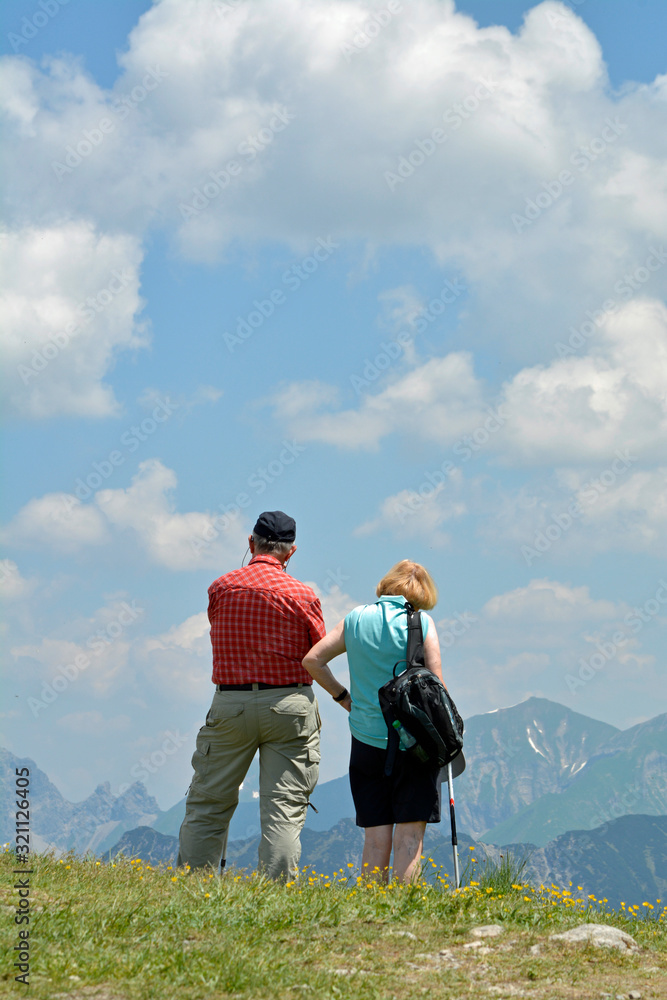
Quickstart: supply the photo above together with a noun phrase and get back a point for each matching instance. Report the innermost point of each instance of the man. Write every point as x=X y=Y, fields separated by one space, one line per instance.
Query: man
x=263 y=622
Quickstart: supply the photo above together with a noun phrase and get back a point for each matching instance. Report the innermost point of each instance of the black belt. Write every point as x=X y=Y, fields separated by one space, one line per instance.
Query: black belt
x=257 y=686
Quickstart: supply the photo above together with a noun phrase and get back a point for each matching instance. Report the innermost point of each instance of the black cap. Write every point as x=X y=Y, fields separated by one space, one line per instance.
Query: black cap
x=275 y=526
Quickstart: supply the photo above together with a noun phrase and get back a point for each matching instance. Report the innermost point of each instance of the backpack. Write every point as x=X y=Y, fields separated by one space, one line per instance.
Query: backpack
x=418 y=701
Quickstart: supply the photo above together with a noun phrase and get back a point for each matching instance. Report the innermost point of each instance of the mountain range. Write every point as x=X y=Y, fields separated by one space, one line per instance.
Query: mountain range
x=534 y=771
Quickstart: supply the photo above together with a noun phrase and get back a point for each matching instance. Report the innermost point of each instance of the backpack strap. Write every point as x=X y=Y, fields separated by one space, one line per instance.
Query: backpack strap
x=414 y=658
x=415 y=653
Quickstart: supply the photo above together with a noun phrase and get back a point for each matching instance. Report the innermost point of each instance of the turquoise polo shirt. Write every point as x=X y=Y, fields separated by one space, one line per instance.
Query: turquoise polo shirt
x=376 y=636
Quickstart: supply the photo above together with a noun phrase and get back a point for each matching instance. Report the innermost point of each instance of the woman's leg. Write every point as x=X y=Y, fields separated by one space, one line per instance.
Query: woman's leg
x=377 y=851
x=408 y=842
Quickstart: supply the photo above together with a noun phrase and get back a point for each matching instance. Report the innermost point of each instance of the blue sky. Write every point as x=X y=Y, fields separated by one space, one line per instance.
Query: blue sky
x=396 y=269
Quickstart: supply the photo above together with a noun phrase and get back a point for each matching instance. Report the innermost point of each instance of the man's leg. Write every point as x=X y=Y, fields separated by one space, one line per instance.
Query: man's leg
x=226 y=746
x=289 y=757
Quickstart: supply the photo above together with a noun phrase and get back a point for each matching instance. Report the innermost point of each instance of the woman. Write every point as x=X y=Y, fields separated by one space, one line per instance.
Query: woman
x=393 y=810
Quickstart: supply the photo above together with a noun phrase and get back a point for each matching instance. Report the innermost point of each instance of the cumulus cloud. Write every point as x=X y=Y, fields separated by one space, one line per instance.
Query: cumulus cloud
x=180 y=658
x=144 y=512
x=574 y=408
x=437 y=401
x=540 y=639
x=175 y=122
x=582 y=407
x=13 y=586
x=69 y=306
x=89 y=652
x=57 y=522
x=621 y=507
x=544 y=601
x=421 y=513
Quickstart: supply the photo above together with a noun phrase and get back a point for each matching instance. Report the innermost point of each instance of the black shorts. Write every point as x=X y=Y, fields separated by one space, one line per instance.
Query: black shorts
x=410 y=795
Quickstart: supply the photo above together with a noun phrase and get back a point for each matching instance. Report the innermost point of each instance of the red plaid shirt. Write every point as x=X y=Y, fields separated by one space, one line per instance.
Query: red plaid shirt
x=263 y=622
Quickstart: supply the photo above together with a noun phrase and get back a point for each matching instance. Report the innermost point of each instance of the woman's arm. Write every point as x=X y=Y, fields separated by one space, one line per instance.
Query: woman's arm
x=316 y=659
x=432 y=653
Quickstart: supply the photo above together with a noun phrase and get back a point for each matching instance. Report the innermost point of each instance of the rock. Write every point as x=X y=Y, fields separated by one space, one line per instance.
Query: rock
x=473 y=944
x=599 y=935
x=407 y=934
x=536 y=949
x=634 y=995
x=487 y=930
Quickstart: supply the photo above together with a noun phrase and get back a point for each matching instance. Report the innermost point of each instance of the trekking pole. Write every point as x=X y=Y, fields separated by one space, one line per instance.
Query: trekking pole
x=452 y=816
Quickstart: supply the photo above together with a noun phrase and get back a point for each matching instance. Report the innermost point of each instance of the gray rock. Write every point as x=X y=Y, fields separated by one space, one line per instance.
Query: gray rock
x=599 y=935
x=487 y=931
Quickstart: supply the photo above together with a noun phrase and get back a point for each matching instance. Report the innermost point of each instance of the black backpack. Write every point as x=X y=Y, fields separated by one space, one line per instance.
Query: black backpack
x=421 y=704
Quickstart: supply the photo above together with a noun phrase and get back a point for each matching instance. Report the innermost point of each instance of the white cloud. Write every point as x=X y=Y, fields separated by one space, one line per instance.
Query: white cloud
x=438 y=401
x=621 y=507
x=218 y=80
x=336 y=603
x=179 y=659
x=517 y=109
x=144 y=512
x=13 y=586
x=69 y=306
x=581 y=408
x=176 y=541
x=540 y=639
x=59 y=522
x=548 y=601
x=191 y=635
x=421 y=513
x=575 y=408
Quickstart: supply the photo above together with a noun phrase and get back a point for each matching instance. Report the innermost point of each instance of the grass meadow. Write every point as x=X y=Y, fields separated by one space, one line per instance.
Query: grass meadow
x=126 y=930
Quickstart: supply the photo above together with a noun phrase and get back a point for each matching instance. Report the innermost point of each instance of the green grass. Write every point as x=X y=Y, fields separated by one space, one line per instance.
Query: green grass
x=130 y=931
